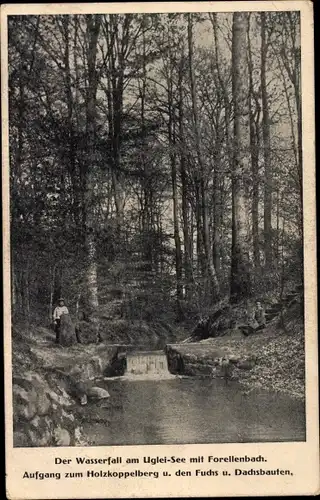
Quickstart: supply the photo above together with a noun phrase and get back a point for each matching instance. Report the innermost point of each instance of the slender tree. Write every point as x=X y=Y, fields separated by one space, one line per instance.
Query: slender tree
x=266 y=147
x=254 y=114
x=187 y=239
x=93 y=28
x=201 y=178
x=240 y=264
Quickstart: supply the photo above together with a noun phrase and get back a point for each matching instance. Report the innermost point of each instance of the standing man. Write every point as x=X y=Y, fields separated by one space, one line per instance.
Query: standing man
x=57 y=313
x=260 y=316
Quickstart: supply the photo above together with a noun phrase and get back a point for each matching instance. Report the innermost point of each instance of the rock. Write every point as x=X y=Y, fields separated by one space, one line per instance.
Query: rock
x=20 y=440
x=246 y=330
x=24 y=409
x=213 y=325
x=39 y=437
x=76 y=389
x=23 y=382
x=247 y=364
x=78 y=437
x=35 y=422
x=234 y=333
x=88 y=370
x=97 y=393
x=226 y=368
x=22 y=395
x=67 y=331
x=68 y=416
x=33 y=437
x=61 y=437
x=43 y=404
x=44 y=438
x=30 y=391
x=63 y=399
x=234 y=360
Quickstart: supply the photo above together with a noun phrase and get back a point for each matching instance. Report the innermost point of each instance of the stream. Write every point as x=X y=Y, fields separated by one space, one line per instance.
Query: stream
x=163 y=409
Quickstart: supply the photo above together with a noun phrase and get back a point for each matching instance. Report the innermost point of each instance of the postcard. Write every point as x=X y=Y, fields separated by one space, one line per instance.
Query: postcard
x=159 y=237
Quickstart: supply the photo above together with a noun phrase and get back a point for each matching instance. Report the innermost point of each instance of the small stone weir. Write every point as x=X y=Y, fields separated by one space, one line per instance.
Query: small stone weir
x=147 y=365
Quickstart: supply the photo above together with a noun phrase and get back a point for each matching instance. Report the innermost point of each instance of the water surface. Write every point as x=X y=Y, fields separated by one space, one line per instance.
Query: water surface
x=192 y=410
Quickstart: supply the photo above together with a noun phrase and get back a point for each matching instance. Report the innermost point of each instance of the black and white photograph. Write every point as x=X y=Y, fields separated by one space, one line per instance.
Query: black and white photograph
x=156 y=228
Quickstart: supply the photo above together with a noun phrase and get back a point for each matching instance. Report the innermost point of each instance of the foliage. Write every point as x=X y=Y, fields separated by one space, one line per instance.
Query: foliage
x=121 y=160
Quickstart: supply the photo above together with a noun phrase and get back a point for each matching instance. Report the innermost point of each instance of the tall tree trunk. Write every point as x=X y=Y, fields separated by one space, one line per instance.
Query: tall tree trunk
x=225 y=97
x=210 y=269
x=254 y=146
x=51 y=302
x=199 y=229
x=294 y=74
x=57 y=283
x=216 y=250
x=223 y=88
x=71 y=159
x=266 y=148
x=146 y=185
x=93 y=27
x=175 y=203
x=217 y=197
x=240 y=286
x=213 y=285
x=115 y=83
x=187 y=242
x=294 y=141
x=175 y=199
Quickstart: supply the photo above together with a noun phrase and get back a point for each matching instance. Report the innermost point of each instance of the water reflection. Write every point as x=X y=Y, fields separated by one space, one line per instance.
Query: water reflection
x=182 y=411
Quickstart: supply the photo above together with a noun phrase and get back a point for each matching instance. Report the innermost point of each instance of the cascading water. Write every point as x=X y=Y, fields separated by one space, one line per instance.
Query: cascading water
x=147 y=364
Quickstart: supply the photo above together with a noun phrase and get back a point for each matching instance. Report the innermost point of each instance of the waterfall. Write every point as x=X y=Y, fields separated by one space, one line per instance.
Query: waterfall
x=147 y=364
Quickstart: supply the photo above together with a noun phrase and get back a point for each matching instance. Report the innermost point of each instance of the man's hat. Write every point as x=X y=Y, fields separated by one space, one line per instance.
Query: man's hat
x=61 y=299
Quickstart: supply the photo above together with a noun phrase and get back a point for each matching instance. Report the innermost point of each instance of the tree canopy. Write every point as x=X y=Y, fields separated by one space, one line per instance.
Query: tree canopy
x=154 y=156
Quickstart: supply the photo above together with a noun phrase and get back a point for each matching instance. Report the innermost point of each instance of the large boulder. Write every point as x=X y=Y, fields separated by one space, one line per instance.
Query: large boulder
x=97 y=393
x=25 y=407
x=61 y=437
x=41 y=411
x=67 y=331
x=215 y=325
x=82 y=390
x=87 y=370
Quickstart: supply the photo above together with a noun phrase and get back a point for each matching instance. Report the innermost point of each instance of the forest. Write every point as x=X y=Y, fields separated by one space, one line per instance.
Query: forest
x=155 y=160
